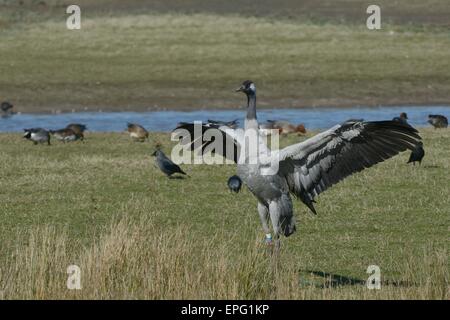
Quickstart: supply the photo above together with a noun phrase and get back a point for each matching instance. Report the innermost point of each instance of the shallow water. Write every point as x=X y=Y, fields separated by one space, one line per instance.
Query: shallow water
x=312 y=118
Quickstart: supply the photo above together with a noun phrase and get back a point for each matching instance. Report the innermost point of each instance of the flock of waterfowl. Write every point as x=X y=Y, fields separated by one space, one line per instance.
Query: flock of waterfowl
x=303 y=170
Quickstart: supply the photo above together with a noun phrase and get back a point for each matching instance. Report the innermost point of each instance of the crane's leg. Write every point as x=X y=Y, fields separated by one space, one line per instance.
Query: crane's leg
x=264 y=216
x=274 y=211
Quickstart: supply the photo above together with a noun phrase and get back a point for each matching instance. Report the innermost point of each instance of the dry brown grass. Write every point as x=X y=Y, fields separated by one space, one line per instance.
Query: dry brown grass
x=139 y=261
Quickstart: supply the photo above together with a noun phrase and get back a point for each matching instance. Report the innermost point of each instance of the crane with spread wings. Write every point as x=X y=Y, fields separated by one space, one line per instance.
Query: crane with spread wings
x=305 y=169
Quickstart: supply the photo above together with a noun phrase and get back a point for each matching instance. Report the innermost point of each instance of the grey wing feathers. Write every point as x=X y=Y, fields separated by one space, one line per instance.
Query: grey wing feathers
x=230 y=148
x=314 y=165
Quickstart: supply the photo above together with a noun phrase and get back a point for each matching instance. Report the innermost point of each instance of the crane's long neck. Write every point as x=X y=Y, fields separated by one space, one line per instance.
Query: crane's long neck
x=250 y=120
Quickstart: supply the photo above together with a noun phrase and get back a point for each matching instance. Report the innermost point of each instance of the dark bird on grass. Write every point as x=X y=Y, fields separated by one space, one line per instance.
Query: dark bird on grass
x=6 y=107
x=66 y=135
x=78 y=128
x=232 y=124
x=305 y=169
x=165 y=164
x=438 y=121
x=37 y=135
x=235 y=184
x=417 y=154
x=137 y=132
x=403 y=118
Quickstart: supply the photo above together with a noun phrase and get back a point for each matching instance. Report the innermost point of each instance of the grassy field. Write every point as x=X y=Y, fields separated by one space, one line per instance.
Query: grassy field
x=103 y=206
x=164 y=55
x=416 y=12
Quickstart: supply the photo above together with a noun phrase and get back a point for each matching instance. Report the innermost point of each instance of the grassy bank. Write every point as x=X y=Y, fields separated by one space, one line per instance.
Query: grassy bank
x=412 y=12
x=158 y=61
x=135 y=234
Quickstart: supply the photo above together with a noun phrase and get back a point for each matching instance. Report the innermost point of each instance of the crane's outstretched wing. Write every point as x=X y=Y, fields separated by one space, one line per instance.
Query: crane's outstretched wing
x=229 y=146
x=314 y=165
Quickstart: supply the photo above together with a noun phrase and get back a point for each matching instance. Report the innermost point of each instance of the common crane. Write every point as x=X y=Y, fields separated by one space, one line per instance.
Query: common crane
x=304 y=169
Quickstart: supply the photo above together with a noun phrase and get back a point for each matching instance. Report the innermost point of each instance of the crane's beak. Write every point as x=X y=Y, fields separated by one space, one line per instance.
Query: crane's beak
x=241 y=88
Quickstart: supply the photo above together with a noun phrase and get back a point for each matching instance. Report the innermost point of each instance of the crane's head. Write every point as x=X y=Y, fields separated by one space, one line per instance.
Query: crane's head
x=248 y=87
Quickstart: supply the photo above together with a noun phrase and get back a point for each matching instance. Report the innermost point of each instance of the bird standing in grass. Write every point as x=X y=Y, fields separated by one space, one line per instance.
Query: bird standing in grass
x=165 y=164
x=417 y=154
x=438 y=121
x=37 y=135
x=403 y=118
x=137 y=132
x=78 y=129
x=66 y=135
x=235 y=184
x=305 y=169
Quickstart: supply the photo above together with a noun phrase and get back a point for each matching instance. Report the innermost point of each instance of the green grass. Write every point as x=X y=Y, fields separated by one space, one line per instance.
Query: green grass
x=103 y=205
x=158 y=61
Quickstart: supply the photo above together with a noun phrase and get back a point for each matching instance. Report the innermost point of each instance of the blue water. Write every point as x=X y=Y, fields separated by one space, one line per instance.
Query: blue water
x=312 y=118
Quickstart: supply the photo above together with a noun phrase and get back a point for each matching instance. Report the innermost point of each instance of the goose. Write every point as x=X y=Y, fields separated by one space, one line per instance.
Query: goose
x=417 y=154
x=402 y=118
x=37 y=135
x=137 y=132
x=66 y=135
x=438 y=121
x=78 y=128
x=234 y=184
x=305 y=169
x=165 y=164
